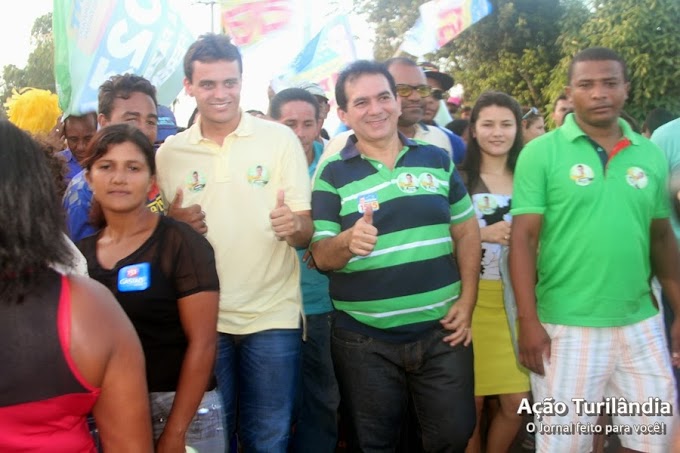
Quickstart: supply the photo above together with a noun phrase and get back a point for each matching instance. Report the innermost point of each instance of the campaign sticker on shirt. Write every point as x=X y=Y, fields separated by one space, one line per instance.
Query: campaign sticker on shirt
x=135 y=277
x=369 y=199
x=636 y=177
x=258 y=175
x=195 y=181
x=581 y=174
x=428 y=182
x=487 y=204
x=407 y=182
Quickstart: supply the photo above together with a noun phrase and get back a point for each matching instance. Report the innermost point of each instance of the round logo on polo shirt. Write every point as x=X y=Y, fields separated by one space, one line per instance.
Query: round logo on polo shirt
x=636 y=177
x=487 y=204
x=407 y=182
x=428 y=182
x=195 y=181
x=258 y=175
x=581 y=174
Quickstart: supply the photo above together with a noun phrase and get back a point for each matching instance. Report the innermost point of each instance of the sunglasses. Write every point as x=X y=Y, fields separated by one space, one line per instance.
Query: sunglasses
x=439 y=94
x=405 y=91
x=533 y=111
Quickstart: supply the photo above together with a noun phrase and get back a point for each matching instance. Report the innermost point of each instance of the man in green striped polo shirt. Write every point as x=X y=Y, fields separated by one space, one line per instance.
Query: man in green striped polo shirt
x=395 y=228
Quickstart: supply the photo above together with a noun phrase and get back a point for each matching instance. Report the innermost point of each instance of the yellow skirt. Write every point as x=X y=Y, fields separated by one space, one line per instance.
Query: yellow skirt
x=497 y=371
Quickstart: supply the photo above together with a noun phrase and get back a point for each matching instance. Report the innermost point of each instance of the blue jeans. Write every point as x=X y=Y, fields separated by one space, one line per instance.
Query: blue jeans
x=257 y=375
x=376 y=378
x=318 y=398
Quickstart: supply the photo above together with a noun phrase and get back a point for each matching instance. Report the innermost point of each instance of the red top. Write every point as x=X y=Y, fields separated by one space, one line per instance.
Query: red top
x=57 y=423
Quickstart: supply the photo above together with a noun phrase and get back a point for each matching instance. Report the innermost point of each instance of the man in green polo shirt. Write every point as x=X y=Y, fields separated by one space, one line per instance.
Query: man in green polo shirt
x=592 y=195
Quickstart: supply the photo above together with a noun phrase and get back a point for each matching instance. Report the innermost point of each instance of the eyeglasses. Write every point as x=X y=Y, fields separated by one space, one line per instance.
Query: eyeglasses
x=405 y=91
x=533 y=111
x=439 y=94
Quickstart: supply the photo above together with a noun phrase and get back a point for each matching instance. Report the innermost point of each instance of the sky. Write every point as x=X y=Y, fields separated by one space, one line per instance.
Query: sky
x=15 y=36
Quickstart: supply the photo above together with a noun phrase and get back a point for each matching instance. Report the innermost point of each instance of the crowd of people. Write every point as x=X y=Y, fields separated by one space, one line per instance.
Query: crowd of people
x=252 y=284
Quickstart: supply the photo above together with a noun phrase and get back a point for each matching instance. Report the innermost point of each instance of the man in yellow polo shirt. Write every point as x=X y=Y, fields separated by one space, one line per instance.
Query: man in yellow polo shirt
x=254 y=188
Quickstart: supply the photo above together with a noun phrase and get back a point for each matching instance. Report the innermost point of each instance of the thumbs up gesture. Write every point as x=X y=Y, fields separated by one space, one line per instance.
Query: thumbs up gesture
x=284 y=222
x=364 y=235
x=193 y=215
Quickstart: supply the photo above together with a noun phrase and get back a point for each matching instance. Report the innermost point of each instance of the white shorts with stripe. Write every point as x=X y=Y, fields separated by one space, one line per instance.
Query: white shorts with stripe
x=596 y=363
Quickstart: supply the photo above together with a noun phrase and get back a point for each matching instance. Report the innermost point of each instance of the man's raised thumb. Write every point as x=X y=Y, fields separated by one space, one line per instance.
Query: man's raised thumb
x=280 y=196
x=368 y=214
x=179 y=198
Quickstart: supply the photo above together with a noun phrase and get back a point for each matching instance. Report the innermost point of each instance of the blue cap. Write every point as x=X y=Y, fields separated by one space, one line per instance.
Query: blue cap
x=167 y=125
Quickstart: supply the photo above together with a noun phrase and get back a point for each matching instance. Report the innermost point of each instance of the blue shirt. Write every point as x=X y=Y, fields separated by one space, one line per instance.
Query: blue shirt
x=77 y=202
x=72 y=165
x=457 y=145
x=315 y=295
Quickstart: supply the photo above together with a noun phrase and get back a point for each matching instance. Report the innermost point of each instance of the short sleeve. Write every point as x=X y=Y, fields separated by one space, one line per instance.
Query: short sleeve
x=295 y=174
x=529 y=190
x=459 y=200
x=326 y=204
x=194 y=261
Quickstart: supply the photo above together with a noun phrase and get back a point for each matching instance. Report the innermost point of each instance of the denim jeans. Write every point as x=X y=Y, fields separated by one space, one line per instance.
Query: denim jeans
x=318 y=398
x=257 y=375
x=206 y=431
x=376 y=378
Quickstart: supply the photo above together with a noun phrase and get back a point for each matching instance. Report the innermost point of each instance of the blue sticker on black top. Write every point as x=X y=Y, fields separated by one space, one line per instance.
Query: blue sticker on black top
x=136 y=277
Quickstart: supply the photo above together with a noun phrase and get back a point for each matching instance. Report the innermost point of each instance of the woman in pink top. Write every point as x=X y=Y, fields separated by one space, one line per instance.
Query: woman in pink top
x=67 y=347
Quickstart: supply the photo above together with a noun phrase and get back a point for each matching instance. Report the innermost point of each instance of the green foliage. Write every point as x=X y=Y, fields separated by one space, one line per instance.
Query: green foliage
x=524 y=46
x=39 y=70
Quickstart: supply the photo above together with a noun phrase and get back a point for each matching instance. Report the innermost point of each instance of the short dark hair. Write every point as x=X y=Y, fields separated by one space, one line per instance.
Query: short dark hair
x=353 y=71
x=116 y=134
x=597 y=54
x=400 y=60
x=209 y=48
x=121 y=87
x=473 y=156
x=657 y=118
x=288 y=95
x=89 y=115
x=32 y=234
x=561 y=97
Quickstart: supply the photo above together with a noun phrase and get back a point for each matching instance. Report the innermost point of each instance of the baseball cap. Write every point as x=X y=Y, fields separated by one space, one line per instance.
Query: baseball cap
x=167 y=125
x=433 y=72
x=454 y=100
x=313 y=88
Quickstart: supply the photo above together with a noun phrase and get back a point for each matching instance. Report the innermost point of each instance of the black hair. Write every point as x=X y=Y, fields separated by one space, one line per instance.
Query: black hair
x=116 y=134
x=458 y=126
x=597 y=54
x=353 y=71
x=561 y=97
x=209 y=48
x=121 y=87
x=288 y=95
x=92 y=116
x=32 y=235
x=657 y=118
x=473 y=155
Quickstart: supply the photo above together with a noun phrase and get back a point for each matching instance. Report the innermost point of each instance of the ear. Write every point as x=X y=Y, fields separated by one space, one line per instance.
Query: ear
x=567 y=92
x=152 y=183
x=101 y=120
x=188 y=88
x=627 y=87
x=342 y=115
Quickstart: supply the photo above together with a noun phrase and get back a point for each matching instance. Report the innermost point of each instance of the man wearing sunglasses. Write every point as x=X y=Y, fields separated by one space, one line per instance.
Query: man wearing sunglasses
x=441 y=83
x=412 y=91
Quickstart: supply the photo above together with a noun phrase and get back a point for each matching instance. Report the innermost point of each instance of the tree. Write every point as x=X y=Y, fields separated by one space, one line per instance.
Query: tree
x=39 y=70
x=391 y=18
x=645 y=34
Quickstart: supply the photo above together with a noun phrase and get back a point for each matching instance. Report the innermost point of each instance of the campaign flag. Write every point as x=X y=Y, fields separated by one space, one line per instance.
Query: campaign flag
x=440 y=21
x=322 y=58
x=95 y=39
x=253 y=22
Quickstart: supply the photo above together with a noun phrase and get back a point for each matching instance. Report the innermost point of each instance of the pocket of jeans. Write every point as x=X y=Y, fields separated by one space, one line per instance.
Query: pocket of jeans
x=350 y=338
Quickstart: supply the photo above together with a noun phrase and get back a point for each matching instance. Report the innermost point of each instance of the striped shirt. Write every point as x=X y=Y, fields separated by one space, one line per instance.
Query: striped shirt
x=411 y=279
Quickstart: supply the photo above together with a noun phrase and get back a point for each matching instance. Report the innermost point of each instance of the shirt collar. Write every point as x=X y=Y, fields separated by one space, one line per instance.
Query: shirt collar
x=571 y=130
x=244 y=128
x=350 y=150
